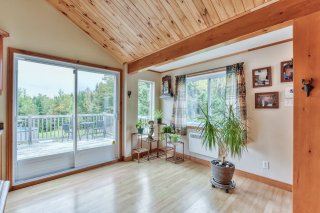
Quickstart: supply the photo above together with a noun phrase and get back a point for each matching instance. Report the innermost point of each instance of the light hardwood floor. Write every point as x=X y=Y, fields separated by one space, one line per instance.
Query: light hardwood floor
x=155 y=186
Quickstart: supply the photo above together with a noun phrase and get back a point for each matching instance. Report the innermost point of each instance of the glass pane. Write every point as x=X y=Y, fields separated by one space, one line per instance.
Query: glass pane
x=217 y=96
x=197 y=96
x=45 y=100
x=145 y=100
x=96 y=109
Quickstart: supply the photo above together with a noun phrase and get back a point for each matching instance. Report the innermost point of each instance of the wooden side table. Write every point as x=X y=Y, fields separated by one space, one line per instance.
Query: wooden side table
x=157 y=141
x=138 y=149
x=173 y=147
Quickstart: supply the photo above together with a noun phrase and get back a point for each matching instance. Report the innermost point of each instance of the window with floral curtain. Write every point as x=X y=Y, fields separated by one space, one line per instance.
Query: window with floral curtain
x=217 y=89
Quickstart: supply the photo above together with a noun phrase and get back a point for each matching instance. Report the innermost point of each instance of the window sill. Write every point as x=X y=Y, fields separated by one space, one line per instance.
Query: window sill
x=192 y=126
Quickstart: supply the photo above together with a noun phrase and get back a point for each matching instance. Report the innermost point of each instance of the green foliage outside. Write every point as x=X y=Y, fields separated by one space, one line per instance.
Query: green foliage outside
x=144 y=97
x=97 y=101
x=197 y=98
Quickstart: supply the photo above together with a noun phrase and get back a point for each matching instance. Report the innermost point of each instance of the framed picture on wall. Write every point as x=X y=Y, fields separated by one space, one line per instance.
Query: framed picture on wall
x=287 y=71
x=262 y=77
x=267 y=100
x=166 y=86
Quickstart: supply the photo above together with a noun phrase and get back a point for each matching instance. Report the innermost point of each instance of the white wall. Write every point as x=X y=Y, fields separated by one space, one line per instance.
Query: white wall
x=271 y=130
x=35 y=25
x=132 y=102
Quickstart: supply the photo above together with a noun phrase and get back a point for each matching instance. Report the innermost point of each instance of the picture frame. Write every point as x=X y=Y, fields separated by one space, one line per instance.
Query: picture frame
x=267 y=100
x=262 y=77
x=166 y=86
x=287 y=71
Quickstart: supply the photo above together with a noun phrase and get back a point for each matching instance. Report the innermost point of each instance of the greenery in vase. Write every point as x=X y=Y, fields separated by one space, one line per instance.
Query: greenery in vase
x=229 y=134
x=165 y=131
x=174 y=137
x=140 y=124
x=158 y=114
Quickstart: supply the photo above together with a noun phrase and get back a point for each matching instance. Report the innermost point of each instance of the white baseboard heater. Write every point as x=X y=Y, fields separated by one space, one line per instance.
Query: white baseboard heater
x=195 y=146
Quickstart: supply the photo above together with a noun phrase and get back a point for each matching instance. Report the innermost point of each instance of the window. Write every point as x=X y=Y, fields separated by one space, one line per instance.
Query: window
x=145 y=100
x=205 y=91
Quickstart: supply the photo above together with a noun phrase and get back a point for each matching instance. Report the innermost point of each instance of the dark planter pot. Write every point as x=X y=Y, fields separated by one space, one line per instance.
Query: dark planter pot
x=159 y=120
x=140 y=130
x=222 y=174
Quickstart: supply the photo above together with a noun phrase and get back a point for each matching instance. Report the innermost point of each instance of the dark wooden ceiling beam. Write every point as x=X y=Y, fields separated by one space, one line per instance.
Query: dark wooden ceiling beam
x=273 y=14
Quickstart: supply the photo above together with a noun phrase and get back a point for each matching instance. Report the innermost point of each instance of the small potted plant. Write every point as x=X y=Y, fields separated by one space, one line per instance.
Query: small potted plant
x=158 y=114
x=229 y=134
x=174 y=138
x=140 y=126
x=165 y=131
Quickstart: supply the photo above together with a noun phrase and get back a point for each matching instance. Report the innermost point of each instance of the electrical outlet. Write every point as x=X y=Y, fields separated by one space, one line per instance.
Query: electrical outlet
x=265 y=164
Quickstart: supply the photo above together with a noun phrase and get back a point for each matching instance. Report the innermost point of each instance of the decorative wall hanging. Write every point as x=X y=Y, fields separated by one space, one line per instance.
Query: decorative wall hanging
x=166 y=87
x=287 y=71
x=307 y=86
x=267 y=100
x=262 y=77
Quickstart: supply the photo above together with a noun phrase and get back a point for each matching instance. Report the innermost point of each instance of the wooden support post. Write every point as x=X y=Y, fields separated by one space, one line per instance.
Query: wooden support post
x=306 y=151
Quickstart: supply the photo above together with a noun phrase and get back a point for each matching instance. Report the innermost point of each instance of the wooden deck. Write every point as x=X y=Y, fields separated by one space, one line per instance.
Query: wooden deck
x=155 y=186
x=45 y=148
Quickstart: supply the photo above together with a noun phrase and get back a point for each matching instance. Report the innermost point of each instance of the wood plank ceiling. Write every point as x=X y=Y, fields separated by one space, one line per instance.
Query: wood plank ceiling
x=132 y=29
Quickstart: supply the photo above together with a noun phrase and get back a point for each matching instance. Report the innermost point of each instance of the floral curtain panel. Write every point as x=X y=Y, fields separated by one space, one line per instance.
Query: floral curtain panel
x=236 y=90
x=179 y=113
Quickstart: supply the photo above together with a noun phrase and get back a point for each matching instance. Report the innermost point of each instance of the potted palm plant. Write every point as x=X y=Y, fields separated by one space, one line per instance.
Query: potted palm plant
x=229 y=134
x=158 y=114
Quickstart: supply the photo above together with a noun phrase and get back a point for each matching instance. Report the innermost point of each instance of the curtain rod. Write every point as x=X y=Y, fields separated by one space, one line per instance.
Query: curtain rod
x=208 y=71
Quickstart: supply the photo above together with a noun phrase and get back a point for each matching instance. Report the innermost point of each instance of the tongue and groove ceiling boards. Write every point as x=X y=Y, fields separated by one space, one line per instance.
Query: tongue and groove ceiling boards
x=133 y=29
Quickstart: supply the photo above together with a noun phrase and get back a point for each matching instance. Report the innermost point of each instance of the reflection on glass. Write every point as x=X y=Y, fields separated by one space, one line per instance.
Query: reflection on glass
x=145 y=101
x=206 y=92
x=197 y=96
x=96 y=109
x=217 y=97
x=45 y=102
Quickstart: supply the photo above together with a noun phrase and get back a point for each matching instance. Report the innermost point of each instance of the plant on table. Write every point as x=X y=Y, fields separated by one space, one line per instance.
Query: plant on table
x=165 y=131
x=174 y=138
x=140 y=126
x=158 y=114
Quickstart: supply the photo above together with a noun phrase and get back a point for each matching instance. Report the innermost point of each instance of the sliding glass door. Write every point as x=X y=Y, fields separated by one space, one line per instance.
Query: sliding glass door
x=65 y=117
x=97 y=117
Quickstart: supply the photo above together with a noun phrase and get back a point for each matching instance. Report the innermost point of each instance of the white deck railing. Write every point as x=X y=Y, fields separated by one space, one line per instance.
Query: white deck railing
x=37 y=128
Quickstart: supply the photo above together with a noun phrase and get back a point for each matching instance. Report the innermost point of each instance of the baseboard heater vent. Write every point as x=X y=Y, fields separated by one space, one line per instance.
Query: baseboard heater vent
x=195 y=146
x=195 y=135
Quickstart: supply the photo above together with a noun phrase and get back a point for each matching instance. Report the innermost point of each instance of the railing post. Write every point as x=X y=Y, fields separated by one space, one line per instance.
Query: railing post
x=30 y=130
x=105 y=122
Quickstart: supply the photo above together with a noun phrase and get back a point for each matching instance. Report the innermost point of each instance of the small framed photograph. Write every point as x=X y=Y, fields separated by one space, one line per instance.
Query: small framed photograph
x=166 y=86
x=287 y=71
x=267 y=100
x=262 y=77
